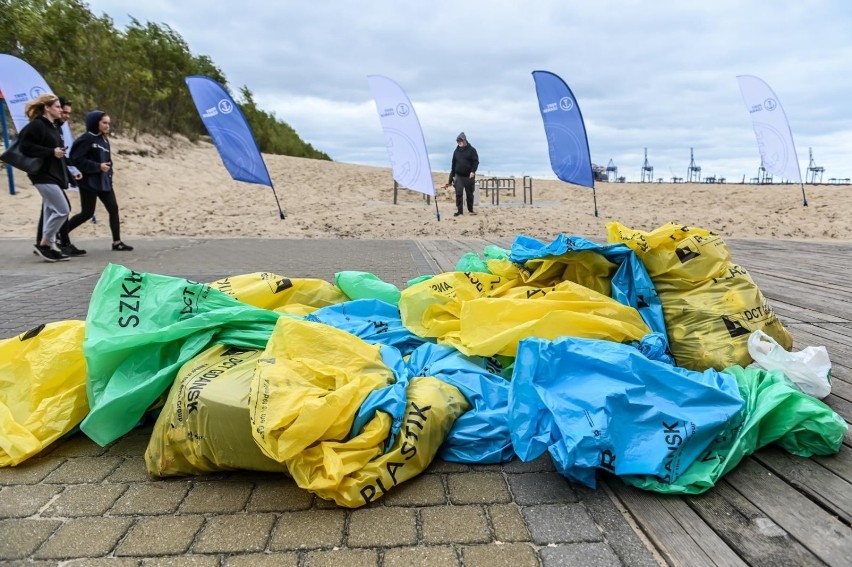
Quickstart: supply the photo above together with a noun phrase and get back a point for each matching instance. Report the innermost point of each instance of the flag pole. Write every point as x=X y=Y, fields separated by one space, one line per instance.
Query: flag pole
x=594 y=197
x=804 y=199
x=437 y=212
x=277 y=202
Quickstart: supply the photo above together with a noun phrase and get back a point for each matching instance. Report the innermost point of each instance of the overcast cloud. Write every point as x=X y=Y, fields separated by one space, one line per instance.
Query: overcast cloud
x=659 y=74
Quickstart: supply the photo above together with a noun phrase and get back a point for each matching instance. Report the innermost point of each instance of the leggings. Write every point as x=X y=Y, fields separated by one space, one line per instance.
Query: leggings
x=88 y=200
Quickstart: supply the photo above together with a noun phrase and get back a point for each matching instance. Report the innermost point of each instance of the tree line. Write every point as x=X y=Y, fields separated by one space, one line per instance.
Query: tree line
x=136 y=74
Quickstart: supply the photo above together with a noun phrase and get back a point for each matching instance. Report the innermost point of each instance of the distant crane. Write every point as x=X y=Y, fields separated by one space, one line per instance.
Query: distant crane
x=813 y=170
x=611 y=171
x=647 y=170
x=693 y=172
x=762 y=175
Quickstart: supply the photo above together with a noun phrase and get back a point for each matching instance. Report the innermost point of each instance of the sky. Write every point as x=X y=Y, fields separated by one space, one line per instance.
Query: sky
x=659 y=75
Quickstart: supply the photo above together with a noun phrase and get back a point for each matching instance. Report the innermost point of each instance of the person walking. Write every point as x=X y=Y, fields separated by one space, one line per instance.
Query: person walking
x=41 y=138
x=64 y=241
x=463 y=174
x=90 y=153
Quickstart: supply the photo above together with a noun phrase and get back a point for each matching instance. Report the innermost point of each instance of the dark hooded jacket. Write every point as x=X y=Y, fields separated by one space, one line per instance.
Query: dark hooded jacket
x=465 y=159
x=40 y=138
x=89 y=151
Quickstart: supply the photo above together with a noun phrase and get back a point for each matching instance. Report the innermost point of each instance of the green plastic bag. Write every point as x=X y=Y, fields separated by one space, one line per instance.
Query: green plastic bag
x=364 y=285
x=141 y=328
x=775 y=412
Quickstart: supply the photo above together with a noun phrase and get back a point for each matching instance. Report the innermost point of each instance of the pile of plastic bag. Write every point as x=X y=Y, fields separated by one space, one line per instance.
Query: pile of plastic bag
x=629 y=357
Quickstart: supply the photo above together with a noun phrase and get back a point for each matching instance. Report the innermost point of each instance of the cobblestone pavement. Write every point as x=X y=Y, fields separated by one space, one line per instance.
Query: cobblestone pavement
x=81 y=504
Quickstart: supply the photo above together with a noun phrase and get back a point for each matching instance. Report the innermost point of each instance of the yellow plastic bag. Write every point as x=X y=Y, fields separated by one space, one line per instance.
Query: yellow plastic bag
x=42 y=388
x=487 y=314
x=309 y=384
x=710 y=304
x=356 y=472
x=204 y=426
x=271 y=291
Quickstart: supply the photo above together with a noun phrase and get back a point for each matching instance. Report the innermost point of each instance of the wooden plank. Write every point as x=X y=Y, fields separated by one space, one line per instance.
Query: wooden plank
x=824 y=535
x=840 y=464
x=823 y=486
x=757 y=539
x=679 y=534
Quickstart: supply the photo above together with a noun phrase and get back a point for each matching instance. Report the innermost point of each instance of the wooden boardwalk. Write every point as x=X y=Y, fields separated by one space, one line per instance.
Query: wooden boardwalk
x=774 y=508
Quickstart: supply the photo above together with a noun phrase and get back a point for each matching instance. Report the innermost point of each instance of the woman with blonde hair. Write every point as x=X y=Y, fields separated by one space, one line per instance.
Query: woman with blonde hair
x=41 y=138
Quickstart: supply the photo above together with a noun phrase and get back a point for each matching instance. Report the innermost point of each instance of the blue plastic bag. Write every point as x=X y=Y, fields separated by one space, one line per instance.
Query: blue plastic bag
x=599 y=404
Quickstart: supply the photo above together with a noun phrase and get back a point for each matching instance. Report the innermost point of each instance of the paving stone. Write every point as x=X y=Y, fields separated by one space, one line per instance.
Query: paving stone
x=310 y=529
x=263 y=560
x=131 y=469
x=454 y=524
x=586 y=554
x=85 y=500
x=100 y=562
x=508 y=523
x=83 y=470
x=216 y=497
x=618 y=533
x=421 y=556
x=423 y=490
x=323 y=504
x=542 y=464
x=442 y=466
x=500 y=555
x=342 y=558
x=31 y=471
x=133 y=444
x=561 y=523
x=234 y=533
x=151 y=498
x=78 y=445
x=382 y=527
x=183 y=561
x=84 y=537
x=478 y=488
x=19 y=538
x=540 y=488
x=279 y=495
x=25 y=500
x=160 y=535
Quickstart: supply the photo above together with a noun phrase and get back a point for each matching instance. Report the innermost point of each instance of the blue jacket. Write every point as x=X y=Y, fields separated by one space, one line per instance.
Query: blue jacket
x=89 y=151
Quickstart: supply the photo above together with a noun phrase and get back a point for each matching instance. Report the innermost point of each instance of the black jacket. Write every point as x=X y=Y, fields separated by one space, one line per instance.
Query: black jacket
x=88 y=152
x=465 y=161
x=40 y=138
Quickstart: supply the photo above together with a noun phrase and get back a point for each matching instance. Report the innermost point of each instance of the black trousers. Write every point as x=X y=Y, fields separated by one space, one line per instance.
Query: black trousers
x=62 y=236
x=88 y=200
x=464 y=189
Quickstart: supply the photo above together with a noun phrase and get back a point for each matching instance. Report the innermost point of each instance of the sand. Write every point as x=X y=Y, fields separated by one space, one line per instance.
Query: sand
x=170 y=187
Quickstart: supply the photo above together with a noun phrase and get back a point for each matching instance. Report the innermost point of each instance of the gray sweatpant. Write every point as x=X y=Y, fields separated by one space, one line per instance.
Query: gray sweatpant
x=55 y=207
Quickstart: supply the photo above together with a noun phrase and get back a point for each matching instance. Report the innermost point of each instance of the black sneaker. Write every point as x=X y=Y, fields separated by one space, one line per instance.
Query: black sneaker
x=472 y=213
x=50 y=255
x=456 y=214
x=71 y=250
x=122 y=247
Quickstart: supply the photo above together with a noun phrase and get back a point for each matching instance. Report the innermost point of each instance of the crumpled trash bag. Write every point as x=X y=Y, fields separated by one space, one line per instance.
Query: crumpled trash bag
x=711 y=305
x=630 y=284
x=775 y=412
x=204 y=425
x=308 y=387
x=472 y=262
x=364 y=285
x=371 y=320
x=486 y=315
x=296 y=296
x=42 y=388
x=141 y=328
x=599 y=404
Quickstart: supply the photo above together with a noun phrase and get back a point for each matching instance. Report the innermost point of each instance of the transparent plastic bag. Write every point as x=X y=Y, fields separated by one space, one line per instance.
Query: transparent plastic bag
x=809 y=369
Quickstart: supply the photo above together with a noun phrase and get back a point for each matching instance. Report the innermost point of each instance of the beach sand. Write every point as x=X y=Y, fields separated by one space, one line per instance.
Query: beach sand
x=170 y=187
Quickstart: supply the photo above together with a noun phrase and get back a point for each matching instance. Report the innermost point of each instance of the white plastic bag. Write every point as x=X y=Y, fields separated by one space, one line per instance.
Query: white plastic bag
x=809 y=369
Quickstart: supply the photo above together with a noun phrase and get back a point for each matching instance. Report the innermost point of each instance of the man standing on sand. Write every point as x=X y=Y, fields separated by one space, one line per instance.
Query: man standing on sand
x=463 y=174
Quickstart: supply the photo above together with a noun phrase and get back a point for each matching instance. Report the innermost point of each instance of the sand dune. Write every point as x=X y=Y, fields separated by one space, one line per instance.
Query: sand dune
x=171 y=187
